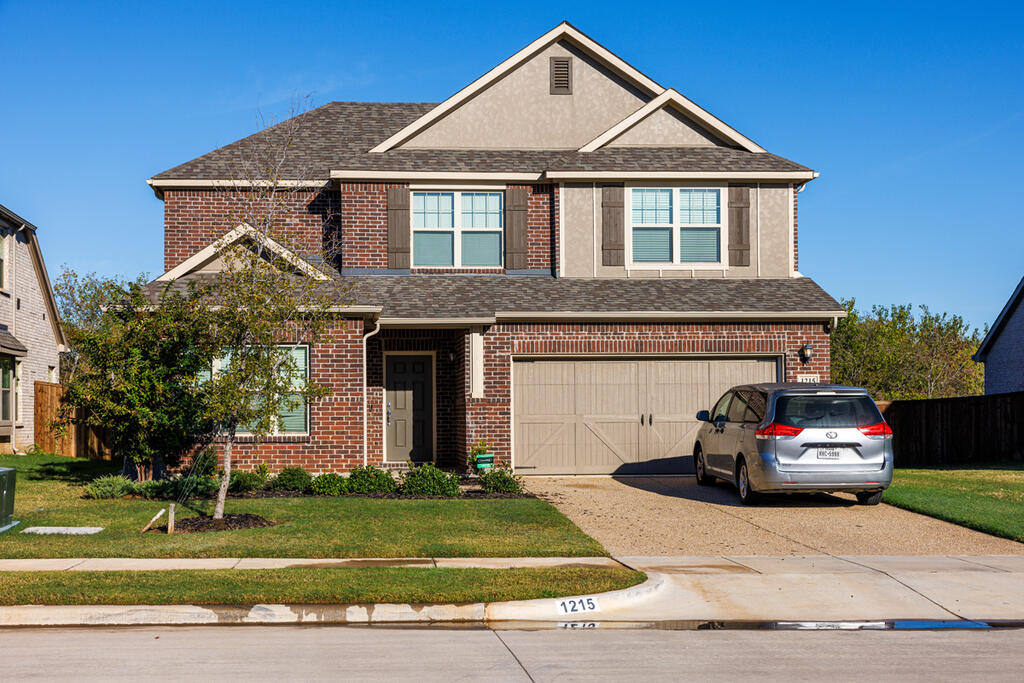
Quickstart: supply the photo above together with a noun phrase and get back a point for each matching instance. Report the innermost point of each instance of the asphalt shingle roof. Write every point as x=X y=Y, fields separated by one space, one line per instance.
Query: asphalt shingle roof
x=339 y=135
x=472 y=296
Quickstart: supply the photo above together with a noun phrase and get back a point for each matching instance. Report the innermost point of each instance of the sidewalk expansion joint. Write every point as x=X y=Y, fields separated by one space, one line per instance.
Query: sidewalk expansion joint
x=908 y=587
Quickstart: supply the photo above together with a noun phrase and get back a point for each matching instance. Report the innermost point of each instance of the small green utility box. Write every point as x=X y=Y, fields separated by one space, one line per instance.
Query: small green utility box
x=485 y=461
x=6 y=498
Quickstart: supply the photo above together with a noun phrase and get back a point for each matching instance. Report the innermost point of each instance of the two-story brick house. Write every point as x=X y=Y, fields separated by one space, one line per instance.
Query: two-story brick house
x=31 y=338
x=564 y=259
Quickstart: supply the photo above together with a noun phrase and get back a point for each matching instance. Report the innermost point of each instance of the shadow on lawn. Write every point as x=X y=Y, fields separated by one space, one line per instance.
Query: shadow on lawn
x=73 y=471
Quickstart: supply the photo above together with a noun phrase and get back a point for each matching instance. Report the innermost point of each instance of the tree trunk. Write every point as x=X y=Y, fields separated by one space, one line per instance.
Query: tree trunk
x=222 y=493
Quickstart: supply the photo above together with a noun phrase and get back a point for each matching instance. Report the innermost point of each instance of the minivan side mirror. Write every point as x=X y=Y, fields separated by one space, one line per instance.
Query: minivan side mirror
x=703 y=416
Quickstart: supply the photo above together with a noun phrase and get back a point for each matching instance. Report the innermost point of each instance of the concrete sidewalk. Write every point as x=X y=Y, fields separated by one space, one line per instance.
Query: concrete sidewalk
x=833 y=588
x=96 y=564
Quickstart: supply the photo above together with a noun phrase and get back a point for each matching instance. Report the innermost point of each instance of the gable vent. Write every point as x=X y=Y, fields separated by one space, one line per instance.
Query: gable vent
x=561 y=75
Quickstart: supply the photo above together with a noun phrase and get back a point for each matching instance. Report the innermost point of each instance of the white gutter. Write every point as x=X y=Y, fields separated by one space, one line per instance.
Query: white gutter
x=434 y=175
x=570 y=316
x=366 y=408
x=436 y=322
x=735 y=176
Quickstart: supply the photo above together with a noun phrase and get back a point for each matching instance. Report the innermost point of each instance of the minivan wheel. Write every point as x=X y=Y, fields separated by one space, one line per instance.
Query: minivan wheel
x=869 y=497
x=747 y=495
x=703 y=478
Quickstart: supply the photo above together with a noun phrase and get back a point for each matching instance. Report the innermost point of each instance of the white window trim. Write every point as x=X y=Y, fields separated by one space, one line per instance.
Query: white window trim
x=721 y=264
x=277 y=427
x=457 y=229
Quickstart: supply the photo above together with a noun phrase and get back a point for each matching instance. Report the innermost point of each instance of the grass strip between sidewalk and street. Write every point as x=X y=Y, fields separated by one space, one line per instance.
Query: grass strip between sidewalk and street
x=989 y=500
x=307 y=586
x=49 y=493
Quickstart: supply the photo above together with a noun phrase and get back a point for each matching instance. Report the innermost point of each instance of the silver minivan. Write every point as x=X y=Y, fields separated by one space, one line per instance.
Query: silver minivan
x=795 y=437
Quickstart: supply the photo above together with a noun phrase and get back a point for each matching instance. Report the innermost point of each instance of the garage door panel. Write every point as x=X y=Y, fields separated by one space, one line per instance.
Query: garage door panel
x=604 y=446
x=547 y=446
x=598 y=404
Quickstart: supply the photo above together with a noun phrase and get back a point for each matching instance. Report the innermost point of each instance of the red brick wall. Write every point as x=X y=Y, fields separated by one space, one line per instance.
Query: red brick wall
x=489 y=418
x=336 y=423
x=364 y=224
x=195 y=218
x=542 y=227
x=335 y=441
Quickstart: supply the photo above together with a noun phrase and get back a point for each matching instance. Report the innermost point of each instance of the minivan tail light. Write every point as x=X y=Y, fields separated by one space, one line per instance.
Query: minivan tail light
x=777 y=431
x=877 y=431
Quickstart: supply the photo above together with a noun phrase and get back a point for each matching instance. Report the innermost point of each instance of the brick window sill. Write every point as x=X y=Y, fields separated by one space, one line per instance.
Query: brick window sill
x=279 y=438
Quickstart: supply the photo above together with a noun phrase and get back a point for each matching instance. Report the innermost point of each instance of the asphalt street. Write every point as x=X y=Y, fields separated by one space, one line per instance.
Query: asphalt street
x=286 y=653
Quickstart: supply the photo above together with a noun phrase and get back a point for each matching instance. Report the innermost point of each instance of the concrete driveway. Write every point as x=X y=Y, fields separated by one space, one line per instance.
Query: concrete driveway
x=673 y=516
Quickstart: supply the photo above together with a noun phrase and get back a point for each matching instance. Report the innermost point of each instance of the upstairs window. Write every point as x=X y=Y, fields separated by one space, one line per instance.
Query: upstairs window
x=457 y=229
x=675 y=226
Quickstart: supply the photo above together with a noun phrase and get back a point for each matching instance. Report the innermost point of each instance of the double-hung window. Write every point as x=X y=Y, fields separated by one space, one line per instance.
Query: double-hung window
x=293 y=413
x=675 y=226
x=457 y=229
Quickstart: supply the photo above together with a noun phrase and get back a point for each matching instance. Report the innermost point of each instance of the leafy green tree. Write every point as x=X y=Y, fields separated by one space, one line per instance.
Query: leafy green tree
x=897 y=355
x=132 y=365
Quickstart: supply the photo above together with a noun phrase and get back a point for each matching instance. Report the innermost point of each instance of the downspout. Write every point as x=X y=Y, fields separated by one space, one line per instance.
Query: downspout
x=376 y=329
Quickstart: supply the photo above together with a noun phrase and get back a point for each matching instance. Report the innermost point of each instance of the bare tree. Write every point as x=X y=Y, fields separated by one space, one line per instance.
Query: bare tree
x=275 y=296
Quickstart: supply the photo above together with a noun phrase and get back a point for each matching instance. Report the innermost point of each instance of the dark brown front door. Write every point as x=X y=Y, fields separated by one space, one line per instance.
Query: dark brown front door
x=409 y=408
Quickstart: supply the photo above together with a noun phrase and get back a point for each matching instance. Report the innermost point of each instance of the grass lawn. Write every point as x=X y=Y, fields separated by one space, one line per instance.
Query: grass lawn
x=306 y=586
x=989 y=500
x=49 y=489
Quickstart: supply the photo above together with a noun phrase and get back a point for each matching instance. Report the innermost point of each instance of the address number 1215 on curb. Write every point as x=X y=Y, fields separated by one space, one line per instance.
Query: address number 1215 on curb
x=577 y=605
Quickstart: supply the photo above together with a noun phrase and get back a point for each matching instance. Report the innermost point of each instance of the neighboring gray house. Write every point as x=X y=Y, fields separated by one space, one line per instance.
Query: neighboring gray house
x=1002 y=350
x=31 y=337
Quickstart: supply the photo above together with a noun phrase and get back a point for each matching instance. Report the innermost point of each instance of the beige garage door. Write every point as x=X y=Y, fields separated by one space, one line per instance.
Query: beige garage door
x=618 y=416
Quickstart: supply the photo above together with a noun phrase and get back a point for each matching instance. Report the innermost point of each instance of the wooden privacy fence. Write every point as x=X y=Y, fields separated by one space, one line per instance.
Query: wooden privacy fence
x=78 y=442
x=954 y=432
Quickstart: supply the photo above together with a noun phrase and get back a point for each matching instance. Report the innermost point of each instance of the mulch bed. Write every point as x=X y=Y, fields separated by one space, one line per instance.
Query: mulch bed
x=193 y=525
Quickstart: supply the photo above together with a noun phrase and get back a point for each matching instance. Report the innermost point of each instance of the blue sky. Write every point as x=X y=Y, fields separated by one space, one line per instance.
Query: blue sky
x=913 y=113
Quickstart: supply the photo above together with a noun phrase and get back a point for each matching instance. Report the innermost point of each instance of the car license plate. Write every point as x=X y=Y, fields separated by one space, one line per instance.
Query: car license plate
x=828 y=453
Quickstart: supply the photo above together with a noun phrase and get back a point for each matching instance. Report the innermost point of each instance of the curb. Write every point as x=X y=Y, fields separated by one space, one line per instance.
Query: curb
x=541 y=609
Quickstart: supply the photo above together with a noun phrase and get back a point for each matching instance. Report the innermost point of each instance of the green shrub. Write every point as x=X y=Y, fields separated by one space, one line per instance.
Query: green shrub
x=154 y=489
x=292 y=479
x=329 y=484
x=479 y=448
x=427 y=480
x=245 y=482
x=369 y=479
x=501 y=480
x=194 y=486
x=109 y=486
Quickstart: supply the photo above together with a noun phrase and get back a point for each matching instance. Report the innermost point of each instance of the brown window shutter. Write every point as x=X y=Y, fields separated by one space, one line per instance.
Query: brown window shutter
x=739 y=225
x=613 y=220
x=399 y=227
x=516 y=199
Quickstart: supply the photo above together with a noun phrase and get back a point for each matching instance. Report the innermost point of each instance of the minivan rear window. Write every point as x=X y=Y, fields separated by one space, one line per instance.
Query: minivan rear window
x=826 y=411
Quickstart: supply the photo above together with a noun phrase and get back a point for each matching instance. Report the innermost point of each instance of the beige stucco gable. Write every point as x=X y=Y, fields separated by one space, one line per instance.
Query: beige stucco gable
x=666 y=128
x=518 y=111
